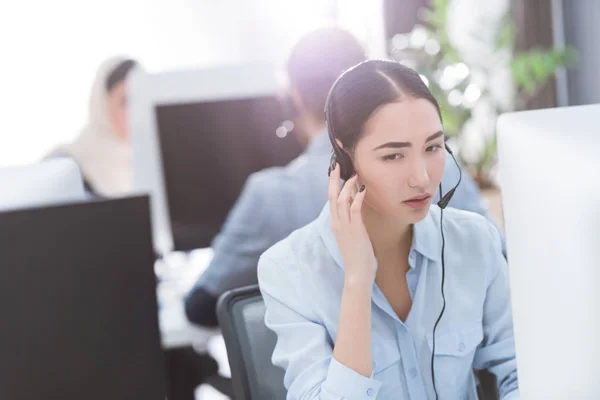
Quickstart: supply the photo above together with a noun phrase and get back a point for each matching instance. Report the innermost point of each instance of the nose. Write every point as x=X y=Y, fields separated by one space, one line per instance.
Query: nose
x=418 y=178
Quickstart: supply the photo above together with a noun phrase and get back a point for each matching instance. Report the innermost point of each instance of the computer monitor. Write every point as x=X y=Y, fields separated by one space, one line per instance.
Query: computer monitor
x=197 y=135
x=79 y=307
x=49 y=182
x=549 y=164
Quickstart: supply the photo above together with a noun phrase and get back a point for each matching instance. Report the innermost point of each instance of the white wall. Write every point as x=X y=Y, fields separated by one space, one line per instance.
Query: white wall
x=51 y=49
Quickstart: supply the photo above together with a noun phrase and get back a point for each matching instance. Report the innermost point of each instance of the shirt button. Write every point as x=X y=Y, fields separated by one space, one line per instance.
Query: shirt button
x=413 y=373
x=461 y=347
x=370 y=392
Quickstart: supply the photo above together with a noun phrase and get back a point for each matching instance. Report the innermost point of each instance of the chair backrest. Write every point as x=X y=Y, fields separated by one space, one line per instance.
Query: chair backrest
x=250 y=344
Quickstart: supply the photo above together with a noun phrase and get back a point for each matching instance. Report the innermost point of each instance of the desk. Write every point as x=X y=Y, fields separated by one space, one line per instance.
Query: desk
x=177 y=273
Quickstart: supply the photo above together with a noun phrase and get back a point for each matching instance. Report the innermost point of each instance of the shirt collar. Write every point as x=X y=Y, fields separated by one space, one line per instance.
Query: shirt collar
x=426 y=235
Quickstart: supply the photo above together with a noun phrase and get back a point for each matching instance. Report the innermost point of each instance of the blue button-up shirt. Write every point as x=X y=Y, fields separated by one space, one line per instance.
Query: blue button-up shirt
x=302 y=279
x=276 y=201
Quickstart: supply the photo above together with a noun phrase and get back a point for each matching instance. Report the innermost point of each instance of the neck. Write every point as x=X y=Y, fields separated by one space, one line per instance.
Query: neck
x=310 y=127
x=317 y=128
x=389 y=237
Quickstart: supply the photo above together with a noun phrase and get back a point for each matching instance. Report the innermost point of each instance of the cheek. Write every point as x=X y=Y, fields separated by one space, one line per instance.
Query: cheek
x=384 y=183
x=118 y=120
x=436 y=168
x=118 y=115
x=121 y=116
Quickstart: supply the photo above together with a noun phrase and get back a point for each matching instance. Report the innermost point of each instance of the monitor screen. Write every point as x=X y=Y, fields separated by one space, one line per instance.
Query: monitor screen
x=79 y=306
x=208 y=150
x=53 y=181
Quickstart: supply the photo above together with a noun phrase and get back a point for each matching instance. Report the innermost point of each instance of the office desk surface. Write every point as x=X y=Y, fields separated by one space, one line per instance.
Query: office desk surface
x=178 y=273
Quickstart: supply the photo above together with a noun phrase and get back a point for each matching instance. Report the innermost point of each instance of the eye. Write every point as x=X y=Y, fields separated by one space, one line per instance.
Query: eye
x=435 y=147
x=392 y=157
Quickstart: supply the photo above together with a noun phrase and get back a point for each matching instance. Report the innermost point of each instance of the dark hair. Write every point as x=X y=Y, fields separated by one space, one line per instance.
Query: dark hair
x=358 y=92
x=317 y=60
x=119 y=73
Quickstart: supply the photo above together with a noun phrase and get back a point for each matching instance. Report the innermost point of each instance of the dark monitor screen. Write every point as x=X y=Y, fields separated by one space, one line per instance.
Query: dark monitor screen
x=208 y=151
x=78 y=303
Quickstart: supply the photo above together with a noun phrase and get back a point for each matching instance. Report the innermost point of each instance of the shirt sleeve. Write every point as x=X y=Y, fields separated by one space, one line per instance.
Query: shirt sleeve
x=304 y=349
x=497 y=354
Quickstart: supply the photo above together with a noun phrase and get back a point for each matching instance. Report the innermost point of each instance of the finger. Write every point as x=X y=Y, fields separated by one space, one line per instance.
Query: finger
x=353 y=189
x=334 y=192
x=345 y=198
x=356 y=208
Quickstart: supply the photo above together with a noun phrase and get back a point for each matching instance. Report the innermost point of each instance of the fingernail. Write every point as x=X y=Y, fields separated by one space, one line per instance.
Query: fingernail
x=362 y=188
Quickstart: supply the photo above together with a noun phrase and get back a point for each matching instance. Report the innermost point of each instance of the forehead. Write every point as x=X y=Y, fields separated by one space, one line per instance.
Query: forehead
x=407 y=120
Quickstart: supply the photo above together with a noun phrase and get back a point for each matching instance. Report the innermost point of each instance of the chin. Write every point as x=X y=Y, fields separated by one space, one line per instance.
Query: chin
x=414 y=216
x=409 y=215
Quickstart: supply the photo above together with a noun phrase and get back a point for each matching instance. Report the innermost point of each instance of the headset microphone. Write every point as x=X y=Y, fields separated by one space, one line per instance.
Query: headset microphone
x=448 y=196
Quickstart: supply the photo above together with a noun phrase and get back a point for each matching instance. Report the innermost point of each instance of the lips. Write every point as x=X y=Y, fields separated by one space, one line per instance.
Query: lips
x=418 y=201
x=419 y=198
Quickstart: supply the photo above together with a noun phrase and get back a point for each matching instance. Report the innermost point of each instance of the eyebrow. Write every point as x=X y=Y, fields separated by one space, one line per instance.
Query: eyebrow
x=399 y=145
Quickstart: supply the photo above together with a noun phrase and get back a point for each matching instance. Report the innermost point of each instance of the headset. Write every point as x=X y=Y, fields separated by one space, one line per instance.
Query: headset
x=342 y=158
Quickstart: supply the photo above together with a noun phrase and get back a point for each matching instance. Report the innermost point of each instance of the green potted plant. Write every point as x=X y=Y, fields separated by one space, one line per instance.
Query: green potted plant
x=464 y=86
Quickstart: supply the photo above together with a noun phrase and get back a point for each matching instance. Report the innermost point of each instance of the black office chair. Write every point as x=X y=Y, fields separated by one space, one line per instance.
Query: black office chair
x=250 y=344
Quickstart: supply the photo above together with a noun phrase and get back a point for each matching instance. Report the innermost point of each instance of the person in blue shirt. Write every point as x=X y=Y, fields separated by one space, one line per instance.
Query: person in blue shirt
x=355 y=295
x=276 y=201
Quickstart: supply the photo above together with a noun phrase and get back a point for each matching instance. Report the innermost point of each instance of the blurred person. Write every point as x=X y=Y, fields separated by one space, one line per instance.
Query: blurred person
x=102 y=150
x=386 y=295
x=103 y=154
x=276 y=201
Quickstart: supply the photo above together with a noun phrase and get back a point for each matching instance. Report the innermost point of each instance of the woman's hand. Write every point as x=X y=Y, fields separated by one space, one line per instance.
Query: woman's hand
x=349 y=230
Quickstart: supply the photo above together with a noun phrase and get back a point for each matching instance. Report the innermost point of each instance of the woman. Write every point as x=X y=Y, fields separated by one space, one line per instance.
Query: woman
x=101 y=149
x=354 y=296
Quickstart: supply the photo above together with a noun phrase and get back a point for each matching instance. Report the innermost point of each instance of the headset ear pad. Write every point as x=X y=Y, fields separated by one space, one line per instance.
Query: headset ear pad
x=345 y=162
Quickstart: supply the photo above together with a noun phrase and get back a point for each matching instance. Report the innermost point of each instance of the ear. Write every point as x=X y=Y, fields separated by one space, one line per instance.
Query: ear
x=339 y=143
